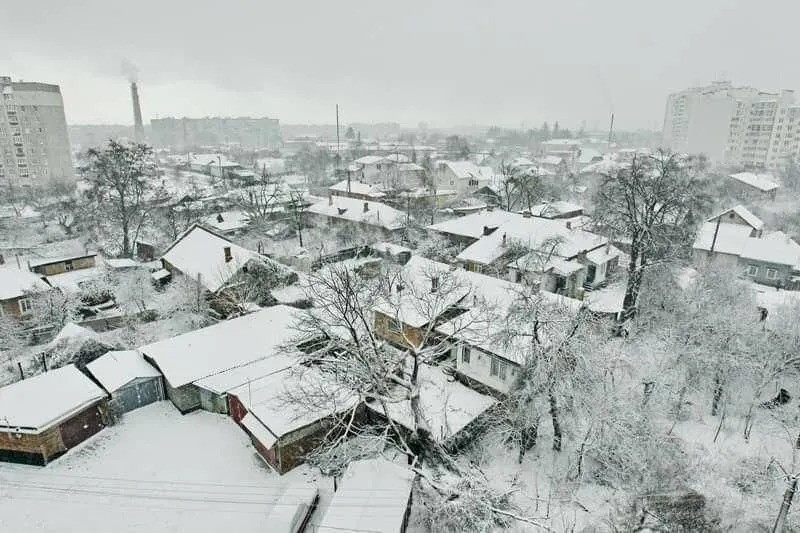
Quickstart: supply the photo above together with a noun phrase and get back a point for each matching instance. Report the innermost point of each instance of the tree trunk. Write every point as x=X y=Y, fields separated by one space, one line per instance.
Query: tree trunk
x=126 y=240
x=715 y=401
x=528 y=438
x=634 y=282
x=788 y=496
x=556 y=423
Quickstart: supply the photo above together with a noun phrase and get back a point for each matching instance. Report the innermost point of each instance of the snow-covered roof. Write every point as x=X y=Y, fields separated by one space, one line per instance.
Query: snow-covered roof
x=116 y=369
x=259 y=431
x=369 y=160
x=468 y=170
x=776 y=248
x=588 y=154
x=389 y=248
x=223 y=346
x=447 y=405
x=554 y=209
x=236 y=377
x=397 y=158
x=39 y=261
x=410 y=167
x=472 y=225
x=562 y=142
x=124 y=262
x=276 y=400
x=71 y=281
x=603 y=255
x=605 y=166
x=72 y=332
x=731 y=238
x=356 y=187
x=39 y=402
x=207 y=159
x=376 y=214
x=562 y=267
x=490 y=335
x=533 y=233
x=15 y=283
x=372 y=496
x=553 y=160
x=199 y=252
x=743 y=213
x=231 y=220
x=763 y=182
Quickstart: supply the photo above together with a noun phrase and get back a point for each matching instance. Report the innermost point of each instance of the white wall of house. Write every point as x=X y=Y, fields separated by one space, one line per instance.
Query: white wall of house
x=478 y=365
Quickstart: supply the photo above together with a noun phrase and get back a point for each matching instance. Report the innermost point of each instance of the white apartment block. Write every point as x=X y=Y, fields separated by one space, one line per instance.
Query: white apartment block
x=737 y=126
x=34 y=147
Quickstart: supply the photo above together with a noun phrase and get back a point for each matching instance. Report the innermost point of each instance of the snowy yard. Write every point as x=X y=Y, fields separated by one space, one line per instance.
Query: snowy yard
x=156 y=471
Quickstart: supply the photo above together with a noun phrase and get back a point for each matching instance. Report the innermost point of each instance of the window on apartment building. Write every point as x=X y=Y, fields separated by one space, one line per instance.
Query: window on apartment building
x=772 y=273
x=752 y=270
x=465 y=354
x=24 y=306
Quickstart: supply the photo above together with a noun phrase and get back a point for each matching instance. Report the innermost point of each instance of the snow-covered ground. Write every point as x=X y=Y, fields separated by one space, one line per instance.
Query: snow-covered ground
x=155 y=472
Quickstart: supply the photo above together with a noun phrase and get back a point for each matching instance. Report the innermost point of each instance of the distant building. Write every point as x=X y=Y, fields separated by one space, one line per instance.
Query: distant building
x=247 y=132
x=739 y=126
x=748 y=185
x=34 y=146
x=567 y=149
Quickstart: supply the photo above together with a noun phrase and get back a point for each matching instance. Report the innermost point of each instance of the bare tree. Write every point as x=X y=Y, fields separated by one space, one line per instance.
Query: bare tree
x=654 y=204
x=260 y=200
x=124 y=190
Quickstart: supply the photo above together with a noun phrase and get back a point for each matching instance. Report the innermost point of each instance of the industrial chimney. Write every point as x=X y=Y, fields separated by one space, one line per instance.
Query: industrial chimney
x=138 y=126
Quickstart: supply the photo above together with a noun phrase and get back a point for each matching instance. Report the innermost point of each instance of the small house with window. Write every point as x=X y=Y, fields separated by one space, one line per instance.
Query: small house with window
x=481 y=353
x=50 y=266
x=16 y=288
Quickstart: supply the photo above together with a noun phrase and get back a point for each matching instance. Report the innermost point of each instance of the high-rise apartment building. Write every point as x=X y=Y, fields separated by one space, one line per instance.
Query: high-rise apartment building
x=245 y=132
x=34 y=146
x=737 y=126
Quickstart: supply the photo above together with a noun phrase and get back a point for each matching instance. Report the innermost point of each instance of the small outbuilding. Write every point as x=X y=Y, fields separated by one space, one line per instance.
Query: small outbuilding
x=44 y=416
x=130 y=380
x=373 y=495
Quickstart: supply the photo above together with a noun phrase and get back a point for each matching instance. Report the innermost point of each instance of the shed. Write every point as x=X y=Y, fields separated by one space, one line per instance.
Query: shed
x=282 y=423
x=374 y=495
x=188 y=360
x=131 y=381
x=44 y=416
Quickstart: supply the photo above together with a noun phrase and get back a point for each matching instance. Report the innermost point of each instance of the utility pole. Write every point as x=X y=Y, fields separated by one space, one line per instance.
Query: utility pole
x=714 y=240
x=787 y=502
x=611 y=131
x=339 y=149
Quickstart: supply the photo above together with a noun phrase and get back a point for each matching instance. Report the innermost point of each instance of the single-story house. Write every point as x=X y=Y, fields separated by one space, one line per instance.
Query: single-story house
x=189 y=361
x=361 y=214
x=356 y=189
x=288 y=413
x=452 y=411
x=44 y=416
x=464 y=176
x=130 y=380
x=16 y=286
x=227 y=222
x=557 y=209
x=374 y=495
x=470 y=228
x=527 y=246
x=748 y=185
x=771 y=259
x=480 y=353
x=49 y=266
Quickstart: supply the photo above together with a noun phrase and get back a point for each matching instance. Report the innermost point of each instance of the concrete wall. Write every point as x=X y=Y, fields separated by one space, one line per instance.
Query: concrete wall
x=213 y=402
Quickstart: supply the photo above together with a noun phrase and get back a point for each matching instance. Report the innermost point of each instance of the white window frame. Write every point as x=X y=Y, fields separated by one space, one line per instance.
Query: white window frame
x=24 y=306
x=466 y=354
x=752 y=270
x=772 y=273
x=494 y=368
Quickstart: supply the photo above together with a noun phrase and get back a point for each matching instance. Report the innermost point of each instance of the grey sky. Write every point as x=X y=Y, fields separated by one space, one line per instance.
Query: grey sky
x=444 y=62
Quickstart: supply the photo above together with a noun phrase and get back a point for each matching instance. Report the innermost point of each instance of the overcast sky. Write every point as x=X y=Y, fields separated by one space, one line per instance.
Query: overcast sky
x=455 y=62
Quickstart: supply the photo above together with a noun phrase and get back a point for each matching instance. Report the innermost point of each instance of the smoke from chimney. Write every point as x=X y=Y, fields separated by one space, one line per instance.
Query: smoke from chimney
x=132 y=73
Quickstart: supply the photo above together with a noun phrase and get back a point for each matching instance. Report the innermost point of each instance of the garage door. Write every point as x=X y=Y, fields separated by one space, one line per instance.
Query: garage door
x=139 y=394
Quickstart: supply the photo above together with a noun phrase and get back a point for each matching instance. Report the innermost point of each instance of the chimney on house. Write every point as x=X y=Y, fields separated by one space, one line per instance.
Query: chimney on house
x=330 y=199
x=366 y=207
x=569 y=224
x=434 y=283
x=504 y=239
x=526 y=213
x=227 y=252
x=138 y=125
